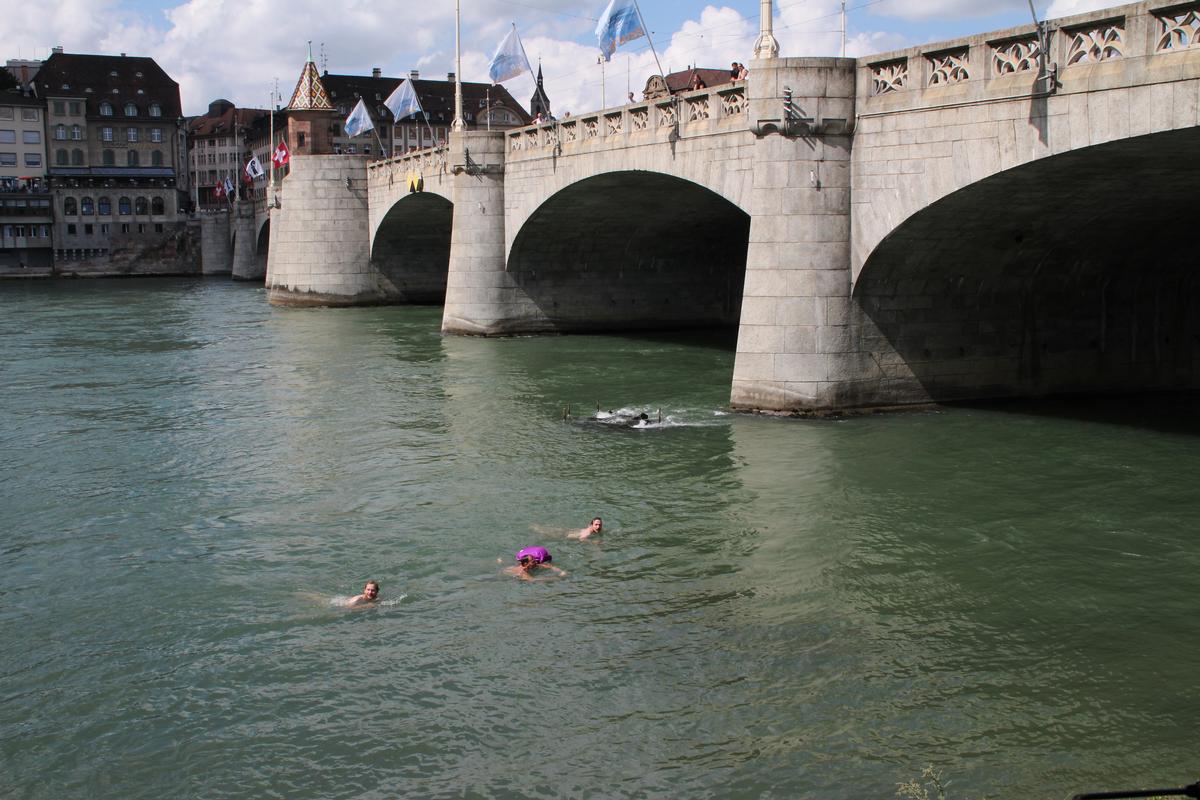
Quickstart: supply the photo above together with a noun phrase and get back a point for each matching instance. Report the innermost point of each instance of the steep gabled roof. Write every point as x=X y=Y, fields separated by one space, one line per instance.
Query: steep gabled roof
x=118 y=79
x=310 y=94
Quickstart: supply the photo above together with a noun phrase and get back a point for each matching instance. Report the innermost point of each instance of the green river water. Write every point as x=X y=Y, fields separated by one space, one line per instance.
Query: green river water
x=777 y=608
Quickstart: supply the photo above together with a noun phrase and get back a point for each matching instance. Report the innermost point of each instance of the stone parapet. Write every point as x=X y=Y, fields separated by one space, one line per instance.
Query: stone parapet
x=246 y=265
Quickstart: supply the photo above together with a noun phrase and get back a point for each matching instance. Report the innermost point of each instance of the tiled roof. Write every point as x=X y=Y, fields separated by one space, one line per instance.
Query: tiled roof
x=224 y=123
x=682 y=81
x=118 y=79
x=310 y=94
x=13 y=97
x=437 y=97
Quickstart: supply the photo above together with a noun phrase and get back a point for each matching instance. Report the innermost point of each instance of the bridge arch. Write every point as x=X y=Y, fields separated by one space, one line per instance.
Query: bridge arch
x=411 y=248
x=263 y=244
x=1072 y=273
x=632 y=250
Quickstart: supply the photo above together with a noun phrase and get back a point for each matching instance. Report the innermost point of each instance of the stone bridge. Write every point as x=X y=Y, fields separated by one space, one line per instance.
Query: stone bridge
x=1006 y=214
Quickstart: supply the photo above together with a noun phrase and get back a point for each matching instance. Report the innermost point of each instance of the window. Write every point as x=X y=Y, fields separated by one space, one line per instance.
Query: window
x=60 y=132
x=104 y=228
x=105 y=206
x=76 y=133
x=70 y=207
x=156 y=158
x=110 y=158
x=31 y=137
x=351 y=149
x=123 y=207
x=131 y=134
x=77 y=157
x=76 y=108
x=157 y=209
x=8 y=159
x=71 y=229
x=33 y=159
x=8 y=137
x=130 y=110
x=301 y=141
x=60 y=107
x=87 y=206
x=6 y=113
x=106 y=109
x=141 y=227
x=158 y=227
x=106 y=134
x=89 y=229
x=155 y=110
x=156 y=134
x=131 y=158
x=212 y=158
x=62 y=158
x=125 y=227
x=29 y=114
x=141 y=206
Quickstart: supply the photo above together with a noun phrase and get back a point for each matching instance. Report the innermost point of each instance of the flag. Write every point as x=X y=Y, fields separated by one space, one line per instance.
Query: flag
x=403 y=101
x=254 y=169
x=228 y=186
x=219 y=190
x=359 y=120
x=620 y=23
x=509 y=60
x=281 y=156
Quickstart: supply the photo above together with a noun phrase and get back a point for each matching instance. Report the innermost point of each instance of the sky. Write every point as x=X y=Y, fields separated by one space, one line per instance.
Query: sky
x=238 y=49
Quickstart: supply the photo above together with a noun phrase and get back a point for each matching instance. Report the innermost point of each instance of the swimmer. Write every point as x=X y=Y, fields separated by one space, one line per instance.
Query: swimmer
x=596 y=527
x=370 y=594
x=530 y=559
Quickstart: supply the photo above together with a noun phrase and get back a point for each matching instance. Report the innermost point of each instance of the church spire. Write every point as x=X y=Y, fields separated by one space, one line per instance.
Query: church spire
x=539 y=103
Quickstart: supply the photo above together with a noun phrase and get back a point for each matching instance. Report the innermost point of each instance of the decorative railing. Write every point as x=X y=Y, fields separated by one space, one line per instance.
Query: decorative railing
x=888 y=77
x=1016 y=55
x=1101 y=42
x=1178 y=28
x=612 y=124
x=733 y=101
x=666 y=114
x=948 y=67
x=639 y=119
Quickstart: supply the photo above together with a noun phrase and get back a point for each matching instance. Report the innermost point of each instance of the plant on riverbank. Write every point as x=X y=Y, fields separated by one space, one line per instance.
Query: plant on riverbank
x=919 y=788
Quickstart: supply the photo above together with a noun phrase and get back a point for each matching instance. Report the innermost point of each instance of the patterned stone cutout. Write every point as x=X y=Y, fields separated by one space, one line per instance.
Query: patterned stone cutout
x=570 y=132
x=612 y=124
x=591 y=128
x=666 y=115
x=1178 y=29
x=531 y=139
x=1019 y=55
x=514 y=143
x=948 y=68
x=733 y=103
x=1102 y=42
x=639 y=118
x=889 y=77
x=697 y=108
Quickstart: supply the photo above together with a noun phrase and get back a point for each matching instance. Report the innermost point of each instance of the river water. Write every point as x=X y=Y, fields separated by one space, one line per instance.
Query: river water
x=777 y=608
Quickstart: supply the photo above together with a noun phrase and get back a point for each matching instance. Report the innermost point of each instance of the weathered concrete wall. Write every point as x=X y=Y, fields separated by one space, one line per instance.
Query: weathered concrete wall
x=320 y=240
x=796 y=348
x=246 y=265
x=216 y=252
x=175 y=251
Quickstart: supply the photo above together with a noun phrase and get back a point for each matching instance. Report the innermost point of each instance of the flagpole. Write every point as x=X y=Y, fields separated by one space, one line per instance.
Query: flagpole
x=271 y=153
x=458 y=124
x=646 y=28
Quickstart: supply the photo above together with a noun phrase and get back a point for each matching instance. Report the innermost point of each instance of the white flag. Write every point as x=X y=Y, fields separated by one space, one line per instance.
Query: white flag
x=403 y=101
x=509 y=60
x=359 y=120
x=228 y=186
x=620 y=23
x=254 y=169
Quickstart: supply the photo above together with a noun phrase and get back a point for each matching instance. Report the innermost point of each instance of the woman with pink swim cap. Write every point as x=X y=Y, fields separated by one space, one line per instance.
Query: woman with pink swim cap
x=531 y=558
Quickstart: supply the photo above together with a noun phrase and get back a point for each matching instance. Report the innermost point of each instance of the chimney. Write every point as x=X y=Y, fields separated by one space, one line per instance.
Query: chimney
x=414 y=75
x=57 y=49
x=450 y=77
x=376 y=72
x=122 y=55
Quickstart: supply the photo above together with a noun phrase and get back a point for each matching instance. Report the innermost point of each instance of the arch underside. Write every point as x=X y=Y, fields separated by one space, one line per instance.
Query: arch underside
x=1075 y=273
x=411 y=252
x=632 y=250
x=263 y=245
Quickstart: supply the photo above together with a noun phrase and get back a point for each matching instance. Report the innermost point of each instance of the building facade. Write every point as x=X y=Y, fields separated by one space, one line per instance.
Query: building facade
x=26 y=221
x=217 y=149
x=113 y=150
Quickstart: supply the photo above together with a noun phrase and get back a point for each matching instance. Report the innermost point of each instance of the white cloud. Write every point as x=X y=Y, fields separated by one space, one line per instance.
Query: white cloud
x=1065 y=8
x=947 y=9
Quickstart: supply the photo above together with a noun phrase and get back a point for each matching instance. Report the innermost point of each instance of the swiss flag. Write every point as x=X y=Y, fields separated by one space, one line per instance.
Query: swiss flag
x=219 y=189
x=281 y=155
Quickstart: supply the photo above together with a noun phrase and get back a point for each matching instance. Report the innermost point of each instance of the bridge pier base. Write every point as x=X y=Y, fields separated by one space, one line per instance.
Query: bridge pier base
x=320 y=240
x=216 y=257
x=246 y=265
x=481 y=297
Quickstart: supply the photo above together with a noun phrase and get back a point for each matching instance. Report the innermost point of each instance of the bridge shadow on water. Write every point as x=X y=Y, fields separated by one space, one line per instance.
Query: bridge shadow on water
x=1173 y=413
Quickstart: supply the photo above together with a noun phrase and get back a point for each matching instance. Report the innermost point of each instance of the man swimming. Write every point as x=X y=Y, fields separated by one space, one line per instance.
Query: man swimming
x=530 y=559
x=369 y=594
x=596 y=527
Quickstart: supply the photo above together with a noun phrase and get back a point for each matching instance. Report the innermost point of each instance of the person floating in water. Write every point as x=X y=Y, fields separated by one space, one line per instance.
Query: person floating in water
x=370 y=594
x=530 y=559
x=596 y=527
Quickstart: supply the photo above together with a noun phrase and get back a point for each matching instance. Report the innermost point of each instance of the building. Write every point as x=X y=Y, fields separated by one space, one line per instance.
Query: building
x=217 y=145
x=539 y=104
x=114 y=152
x=25 y=207
x=685 y=81
x=314 y=119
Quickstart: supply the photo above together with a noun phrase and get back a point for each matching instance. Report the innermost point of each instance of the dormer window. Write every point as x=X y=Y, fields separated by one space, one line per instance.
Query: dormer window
x=155 y=110
x=106 y=109
x=130 y=110
x=113 y=74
